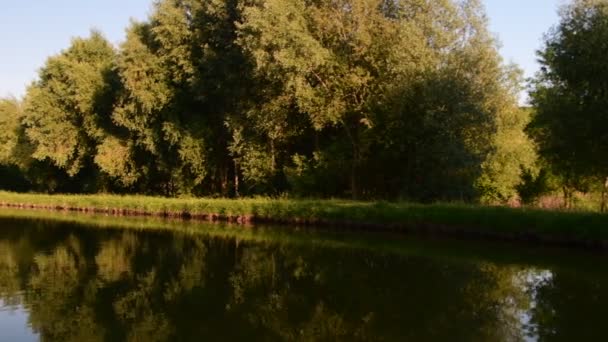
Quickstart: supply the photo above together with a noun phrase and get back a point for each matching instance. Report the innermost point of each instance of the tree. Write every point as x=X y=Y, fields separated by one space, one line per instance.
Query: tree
x=330 y=62
x=376 y=79
x=570 y=97
x=14 y=149
x=359 y=98
x=183 y=78
x=67 y=109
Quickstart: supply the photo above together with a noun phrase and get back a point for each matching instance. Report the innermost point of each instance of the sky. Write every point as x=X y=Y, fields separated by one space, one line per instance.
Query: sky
x=33 y=30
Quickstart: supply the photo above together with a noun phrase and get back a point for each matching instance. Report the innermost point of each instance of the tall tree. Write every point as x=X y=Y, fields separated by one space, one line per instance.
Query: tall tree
x=183 y=77
x=408 y=96
x=12 y=140
x=570 y=96
x=328 y=61
x=68 y=108
x=15 y=150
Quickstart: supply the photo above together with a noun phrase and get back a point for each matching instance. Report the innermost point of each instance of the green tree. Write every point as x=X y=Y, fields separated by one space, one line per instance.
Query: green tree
x=19 y=170
x=359 y=98
x=68 y=108
x=570 y=97
x=11 y=130
x=330 y=61
x=408 y=99
x=183 y=77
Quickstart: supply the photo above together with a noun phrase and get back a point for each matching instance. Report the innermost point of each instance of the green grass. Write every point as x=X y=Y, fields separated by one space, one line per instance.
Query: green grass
x=582 y=228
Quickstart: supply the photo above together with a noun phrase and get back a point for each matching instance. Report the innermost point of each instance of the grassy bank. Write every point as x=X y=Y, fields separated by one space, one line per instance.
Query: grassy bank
x=549 y=227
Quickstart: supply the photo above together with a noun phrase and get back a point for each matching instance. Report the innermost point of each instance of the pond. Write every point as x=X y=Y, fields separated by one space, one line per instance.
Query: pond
x=70 y=277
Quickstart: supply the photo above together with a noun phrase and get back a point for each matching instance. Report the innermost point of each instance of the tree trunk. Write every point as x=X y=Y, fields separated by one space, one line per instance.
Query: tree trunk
x=273 y=159
x=224 y=180
x=354 y=186
x=604 y=195
x=236 y=179
x=567 y=197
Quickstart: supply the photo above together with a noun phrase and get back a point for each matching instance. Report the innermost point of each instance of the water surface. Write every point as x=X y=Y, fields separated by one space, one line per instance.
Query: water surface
x=66 y=277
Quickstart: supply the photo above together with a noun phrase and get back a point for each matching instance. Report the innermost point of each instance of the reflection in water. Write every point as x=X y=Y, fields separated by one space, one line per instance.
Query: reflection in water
x=79 y=284
x=531 y=281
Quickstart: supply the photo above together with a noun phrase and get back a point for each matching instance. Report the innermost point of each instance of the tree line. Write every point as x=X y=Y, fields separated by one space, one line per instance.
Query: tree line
x=387 y=99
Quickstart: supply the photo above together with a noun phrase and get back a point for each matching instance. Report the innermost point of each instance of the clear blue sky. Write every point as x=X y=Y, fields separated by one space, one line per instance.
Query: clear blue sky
x=32 y=30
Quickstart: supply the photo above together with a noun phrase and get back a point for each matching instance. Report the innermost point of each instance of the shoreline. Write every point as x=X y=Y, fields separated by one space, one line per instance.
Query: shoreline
x=537 y=227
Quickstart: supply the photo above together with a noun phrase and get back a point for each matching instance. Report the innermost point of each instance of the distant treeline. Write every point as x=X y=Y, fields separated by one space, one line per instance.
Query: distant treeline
x=349 y=98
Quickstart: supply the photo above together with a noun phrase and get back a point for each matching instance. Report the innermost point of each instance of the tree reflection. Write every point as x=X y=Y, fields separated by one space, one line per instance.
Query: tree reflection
x=115 y=256
x=571 y=306
x=88 y=285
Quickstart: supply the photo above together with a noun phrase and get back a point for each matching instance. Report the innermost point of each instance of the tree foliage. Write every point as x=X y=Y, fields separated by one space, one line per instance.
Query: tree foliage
x=359 y=98
x=570 y=96
x=68 y=105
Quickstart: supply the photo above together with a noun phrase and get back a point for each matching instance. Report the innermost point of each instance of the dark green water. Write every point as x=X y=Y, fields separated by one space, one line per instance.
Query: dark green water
x=87 y=281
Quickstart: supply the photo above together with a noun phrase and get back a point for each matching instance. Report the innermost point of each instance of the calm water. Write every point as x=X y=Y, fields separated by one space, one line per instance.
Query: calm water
x=72 y=281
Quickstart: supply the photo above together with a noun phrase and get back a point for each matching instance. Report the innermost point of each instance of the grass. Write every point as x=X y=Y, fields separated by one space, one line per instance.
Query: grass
x=541 y=226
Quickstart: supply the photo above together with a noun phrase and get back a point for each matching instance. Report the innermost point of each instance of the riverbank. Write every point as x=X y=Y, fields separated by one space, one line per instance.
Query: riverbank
x=580 y=229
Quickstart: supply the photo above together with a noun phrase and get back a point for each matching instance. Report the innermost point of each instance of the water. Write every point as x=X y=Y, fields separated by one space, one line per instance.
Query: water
x=82 y=278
